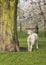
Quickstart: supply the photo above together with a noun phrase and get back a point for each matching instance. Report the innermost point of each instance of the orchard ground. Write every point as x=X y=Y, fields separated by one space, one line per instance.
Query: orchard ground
x=36 y=57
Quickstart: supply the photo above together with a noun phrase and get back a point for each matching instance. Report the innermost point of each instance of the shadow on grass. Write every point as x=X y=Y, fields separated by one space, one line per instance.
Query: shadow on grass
x=42 y=46
x=42 y=41
x=23 y=49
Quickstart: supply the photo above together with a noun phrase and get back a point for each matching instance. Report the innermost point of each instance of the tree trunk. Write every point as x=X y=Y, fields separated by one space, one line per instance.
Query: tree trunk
x=45 y=27
x=1 y=38
x=8 y=36
x=42 y=13
x=15 y=36
x=20 y=27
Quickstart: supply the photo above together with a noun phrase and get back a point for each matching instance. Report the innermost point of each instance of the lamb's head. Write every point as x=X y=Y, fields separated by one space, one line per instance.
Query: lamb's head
x=29 y=32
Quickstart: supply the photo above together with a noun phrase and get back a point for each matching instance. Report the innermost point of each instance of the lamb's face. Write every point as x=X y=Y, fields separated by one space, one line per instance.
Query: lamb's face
x=29 y=32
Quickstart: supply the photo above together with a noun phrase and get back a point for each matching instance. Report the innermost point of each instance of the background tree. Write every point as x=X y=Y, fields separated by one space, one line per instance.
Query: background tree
x=20 y=27
x=43 y=14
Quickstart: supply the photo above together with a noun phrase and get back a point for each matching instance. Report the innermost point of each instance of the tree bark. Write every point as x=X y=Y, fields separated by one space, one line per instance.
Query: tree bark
x=20 y=27
x=42 y=13
x=15 y=36
x=8 y=36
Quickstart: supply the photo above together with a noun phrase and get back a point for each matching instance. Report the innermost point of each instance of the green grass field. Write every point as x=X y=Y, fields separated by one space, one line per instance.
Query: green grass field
x=36 y=57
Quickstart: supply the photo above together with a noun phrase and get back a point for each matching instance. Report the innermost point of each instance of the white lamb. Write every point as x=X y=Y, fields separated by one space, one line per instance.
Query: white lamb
x=31 y=40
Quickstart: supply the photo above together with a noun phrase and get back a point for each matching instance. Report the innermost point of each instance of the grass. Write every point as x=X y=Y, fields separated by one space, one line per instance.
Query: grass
x=37 y=57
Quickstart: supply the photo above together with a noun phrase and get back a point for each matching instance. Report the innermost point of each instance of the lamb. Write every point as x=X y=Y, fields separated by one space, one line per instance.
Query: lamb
x=31 y=40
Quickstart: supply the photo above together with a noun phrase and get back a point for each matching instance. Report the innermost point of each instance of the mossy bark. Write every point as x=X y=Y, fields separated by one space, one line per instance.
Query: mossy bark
x=8 y=19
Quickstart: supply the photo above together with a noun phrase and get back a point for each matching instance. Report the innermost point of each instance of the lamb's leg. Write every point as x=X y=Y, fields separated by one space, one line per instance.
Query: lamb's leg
x=37 y=44
x=31 y=47
x=28 y=46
